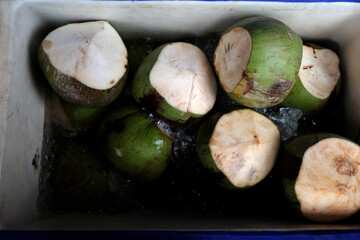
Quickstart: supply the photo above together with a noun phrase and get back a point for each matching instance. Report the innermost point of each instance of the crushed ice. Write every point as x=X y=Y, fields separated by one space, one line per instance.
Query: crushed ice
x=286 y=119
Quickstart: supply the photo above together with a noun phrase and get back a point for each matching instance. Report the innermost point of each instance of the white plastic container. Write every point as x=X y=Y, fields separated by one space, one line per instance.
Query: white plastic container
x=22 y=100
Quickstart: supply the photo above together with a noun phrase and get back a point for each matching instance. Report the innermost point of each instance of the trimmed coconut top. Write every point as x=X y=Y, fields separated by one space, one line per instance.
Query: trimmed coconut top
x=183 y=76
x=319 y=71
x=328 y=183
x=232 y=56
x=244 y=146
x=91 y=52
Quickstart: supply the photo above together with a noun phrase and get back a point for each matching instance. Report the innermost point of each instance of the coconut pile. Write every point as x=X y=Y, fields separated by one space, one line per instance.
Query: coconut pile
x=130 y=103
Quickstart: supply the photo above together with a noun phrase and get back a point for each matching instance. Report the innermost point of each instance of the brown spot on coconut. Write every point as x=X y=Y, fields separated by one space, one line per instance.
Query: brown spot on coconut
x=343 y=165
x=47 y=44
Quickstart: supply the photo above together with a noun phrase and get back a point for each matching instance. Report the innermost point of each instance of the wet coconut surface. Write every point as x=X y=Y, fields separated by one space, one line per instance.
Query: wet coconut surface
x=185 y=187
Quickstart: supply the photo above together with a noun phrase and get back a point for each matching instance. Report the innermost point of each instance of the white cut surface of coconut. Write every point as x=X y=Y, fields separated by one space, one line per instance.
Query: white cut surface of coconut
x=91 y=52
x=319 y=71
x=183 y=76
x=232 y=56
x=244 y=146
x=328 y=183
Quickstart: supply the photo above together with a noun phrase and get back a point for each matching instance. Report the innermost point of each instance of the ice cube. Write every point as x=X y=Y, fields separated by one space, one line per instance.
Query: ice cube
x=286 y=119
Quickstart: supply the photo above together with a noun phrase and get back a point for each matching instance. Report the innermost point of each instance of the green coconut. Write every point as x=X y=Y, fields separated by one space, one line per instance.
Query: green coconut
x=83 y=118
x=320 y=176
x=175 y=82
x=203 y=151
x=85 y=63
x=72 y=118
x=133 y=144
x=239 y=148
x=318 y=77
x=257 y=61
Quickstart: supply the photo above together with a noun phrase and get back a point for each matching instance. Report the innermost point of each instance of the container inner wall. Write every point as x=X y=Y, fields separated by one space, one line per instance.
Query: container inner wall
x=23 y=117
